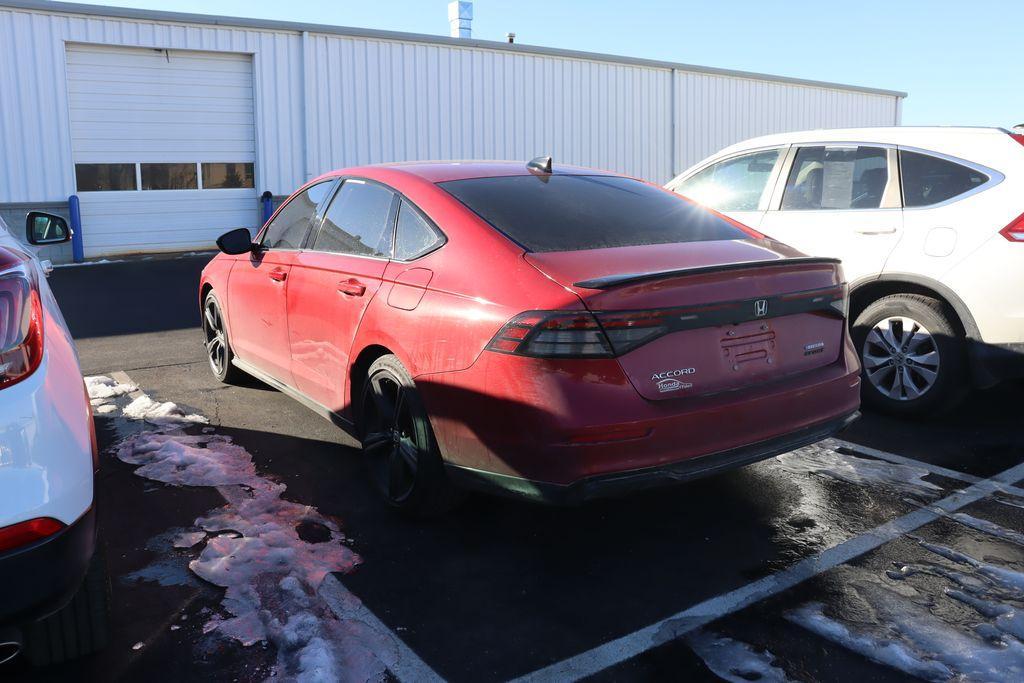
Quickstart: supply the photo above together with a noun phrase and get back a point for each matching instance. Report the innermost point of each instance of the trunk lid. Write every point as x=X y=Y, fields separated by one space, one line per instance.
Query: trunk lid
x=704 y=317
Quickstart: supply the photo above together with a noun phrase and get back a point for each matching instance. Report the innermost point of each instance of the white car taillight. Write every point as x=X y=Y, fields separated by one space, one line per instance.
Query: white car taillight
x=21 y=320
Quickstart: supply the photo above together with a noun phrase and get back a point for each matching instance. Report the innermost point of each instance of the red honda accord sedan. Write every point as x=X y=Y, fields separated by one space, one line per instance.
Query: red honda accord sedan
x=555 y=333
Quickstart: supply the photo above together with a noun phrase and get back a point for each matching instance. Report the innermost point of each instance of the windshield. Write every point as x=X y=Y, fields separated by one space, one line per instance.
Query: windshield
x=576 y=212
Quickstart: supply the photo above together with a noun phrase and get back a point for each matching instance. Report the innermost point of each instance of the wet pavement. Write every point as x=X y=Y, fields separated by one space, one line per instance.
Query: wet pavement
x=501 y=589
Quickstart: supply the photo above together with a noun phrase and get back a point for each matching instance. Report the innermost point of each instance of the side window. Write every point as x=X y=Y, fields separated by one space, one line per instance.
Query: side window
x=929 y=180
x=836 y=178
x=415 y=236
x=734 y=184
x=289 y=227
x=357 y=221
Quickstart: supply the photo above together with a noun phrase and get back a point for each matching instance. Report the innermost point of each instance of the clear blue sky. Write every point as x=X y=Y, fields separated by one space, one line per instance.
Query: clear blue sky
x=960 y=61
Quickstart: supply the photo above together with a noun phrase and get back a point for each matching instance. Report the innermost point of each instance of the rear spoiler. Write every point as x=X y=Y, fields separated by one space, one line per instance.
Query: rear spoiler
x=609 y=281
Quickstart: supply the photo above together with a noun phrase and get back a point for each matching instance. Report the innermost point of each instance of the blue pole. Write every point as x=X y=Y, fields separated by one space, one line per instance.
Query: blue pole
x=77 y=243
x=268 y=206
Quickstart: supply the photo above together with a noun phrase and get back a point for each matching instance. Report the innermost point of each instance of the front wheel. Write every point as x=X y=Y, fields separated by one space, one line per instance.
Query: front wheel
x=398 y=443
x=912 y=355
x=218 y=349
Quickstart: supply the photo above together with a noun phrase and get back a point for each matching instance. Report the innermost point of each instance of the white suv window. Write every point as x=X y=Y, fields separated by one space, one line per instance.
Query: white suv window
x=832 y=178
x=735 y=184
x=929 y=180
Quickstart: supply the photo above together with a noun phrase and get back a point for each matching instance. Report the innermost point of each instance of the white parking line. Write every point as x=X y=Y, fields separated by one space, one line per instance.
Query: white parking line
x=399 y=657
x=621 y=649
x=904 y=460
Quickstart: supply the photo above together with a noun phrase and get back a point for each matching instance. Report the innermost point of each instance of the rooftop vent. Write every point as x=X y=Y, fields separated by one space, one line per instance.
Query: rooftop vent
x=460 y=19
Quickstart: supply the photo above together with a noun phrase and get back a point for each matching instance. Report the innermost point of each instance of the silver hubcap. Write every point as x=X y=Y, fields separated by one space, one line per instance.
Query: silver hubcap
x=216 y=341
x=901 y=359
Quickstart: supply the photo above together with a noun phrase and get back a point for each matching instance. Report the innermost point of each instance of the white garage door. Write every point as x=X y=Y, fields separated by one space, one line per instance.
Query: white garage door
x=164 y=147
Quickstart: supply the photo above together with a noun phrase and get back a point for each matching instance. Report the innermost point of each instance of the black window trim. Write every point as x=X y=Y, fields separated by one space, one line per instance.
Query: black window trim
x=316 y=215
x=994 y=177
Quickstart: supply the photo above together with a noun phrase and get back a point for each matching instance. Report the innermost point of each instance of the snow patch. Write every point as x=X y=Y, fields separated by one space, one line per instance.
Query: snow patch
x=182 y=460
x=102 y=387
x=734 y=661
x=160 y=414
x=990 y=528
x=906 y=634
x=857 y=470
x=253 y=551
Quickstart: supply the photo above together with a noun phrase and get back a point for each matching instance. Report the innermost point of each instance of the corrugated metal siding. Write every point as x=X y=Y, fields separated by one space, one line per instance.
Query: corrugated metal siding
x=372 y=101
x=375 y=99
x=713 y=112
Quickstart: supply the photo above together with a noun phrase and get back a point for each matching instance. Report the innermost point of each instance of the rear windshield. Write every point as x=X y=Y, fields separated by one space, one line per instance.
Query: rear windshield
x=574 y=212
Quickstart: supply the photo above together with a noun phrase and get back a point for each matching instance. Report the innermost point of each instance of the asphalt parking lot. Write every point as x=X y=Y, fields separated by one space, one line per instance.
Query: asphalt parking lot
x=897 y=551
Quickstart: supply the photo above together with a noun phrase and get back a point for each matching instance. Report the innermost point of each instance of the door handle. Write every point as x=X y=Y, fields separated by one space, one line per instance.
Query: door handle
x=278 y=275
x=352 y=287
x=874 y=231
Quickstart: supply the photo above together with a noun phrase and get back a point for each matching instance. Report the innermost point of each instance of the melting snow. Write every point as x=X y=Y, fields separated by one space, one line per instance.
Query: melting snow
x=990 y=528
x=734 y=661
x=906 y=635
x=102 y=387
x=252 y=549
x=857 y=470
x=166 y=414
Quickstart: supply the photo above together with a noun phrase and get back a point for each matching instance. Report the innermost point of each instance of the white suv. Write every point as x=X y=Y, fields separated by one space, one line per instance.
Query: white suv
x=53 y=585
x=929 y=224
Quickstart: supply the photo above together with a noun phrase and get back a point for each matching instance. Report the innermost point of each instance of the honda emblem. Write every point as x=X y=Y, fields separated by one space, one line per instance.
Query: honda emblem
x=761 y=308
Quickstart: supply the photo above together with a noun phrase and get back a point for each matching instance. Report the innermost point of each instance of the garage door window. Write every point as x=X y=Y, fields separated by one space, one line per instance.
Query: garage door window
x=105 y=177
x=222 y=176
x=169 y=177
x=832 y=178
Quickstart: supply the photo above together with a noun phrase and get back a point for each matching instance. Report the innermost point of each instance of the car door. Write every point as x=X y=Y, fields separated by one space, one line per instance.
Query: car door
x=739 y=186
x=258 y=285
x=332 y=284
x=839 y=200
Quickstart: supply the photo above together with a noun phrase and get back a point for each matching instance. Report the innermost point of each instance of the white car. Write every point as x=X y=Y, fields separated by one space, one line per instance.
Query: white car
x=53 y=587
x=929 y=224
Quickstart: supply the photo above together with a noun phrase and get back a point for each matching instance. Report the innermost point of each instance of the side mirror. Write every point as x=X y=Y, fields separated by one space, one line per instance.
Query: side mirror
x=46 y=228
x=234 y=242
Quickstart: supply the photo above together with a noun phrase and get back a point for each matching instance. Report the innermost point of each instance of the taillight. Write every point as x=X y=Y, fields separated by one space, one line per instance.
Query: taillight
x=30 y=531
x=1015 y=230
x=21 y=320
x=1019 y=137
x=552 y=334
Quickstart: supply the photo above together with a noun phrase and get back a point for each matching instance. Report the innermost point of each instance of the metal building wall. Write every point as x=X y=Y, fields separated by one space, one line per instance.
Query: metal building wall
x=328 y=99
x=374 y=100
x=715 y=111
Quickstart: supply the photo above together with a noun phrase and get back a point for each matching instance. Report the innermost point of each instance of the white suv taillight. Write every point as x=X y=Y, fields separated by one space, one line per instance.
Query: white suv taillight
x=21 y=320
x=1015 y=230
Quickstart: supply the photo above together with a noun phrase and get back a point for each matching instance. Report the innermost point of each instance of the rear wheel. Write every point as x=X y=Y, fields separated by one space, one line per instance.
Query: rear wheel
x=913 y=356
x=218 y=348
x=400 y=451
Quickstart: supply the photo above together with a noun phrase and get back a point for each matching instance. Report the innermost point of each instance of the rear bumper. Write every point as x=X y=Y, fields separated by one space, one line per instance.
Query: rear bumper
x=993 y=363
x=618 y=483
x=561 y=423
x=39 y=579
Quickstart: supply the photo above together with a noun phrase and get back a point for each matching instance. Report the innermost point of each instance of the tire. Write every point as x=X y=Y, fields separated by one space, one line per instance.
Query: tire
x=926 y=375
x=80 y=628
x=399 y=447
x=218 y=347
